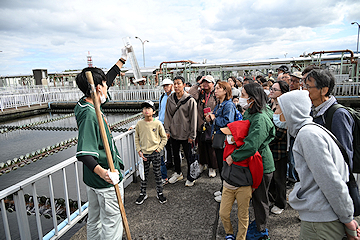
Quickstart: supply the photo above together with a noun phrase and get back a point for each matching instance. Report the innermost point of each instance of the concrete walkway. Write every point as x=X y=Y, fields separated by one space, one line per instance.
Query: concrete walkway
x=190 y=213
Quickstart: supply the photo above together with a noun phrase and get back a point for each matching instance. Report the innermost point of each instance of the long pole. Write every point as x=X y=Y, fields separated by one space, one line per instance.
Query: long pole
x=107 y=151
x=143 y=47
x=357 y=48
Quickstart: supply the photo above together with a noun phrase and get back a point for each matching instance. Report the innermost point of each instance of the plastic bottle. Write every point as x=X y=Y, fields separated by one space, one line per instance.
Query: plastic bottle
x=133 y=61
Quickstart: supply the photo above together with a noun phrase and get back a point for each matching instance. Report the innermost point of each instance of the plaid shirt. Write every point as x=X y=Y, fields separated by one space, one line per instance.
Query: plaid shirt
x=278 y=146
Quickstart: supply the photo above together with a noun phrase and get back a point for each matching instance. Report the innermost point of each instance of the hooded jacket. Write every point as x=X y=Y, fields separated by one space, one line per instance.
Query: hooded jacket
x=239 y=131
x=322 y=194
x=261 y=133
x=182 y=124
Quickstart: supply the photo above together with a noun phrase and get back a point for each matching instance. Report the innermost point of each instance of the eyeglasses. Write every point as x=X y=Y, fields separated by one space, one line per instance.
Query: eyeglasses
x=294 y=81
x=306 y=86
x=274 y=89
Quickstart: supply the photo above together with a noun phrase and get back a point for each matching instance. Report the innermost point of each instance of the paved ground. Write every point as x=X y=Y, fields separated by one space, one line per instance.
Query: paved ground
x=190 y=213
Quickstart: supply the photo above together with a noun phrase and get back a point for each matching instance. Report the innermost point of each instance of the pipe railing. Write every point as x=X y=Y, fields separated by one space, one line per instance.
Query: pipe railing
x=22 y=100
x=126 y=145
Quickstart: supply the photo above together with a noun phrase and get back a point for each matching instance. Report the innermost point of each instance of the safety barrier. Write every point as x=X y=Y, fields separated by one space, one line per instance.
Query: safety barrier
x=126 y=145
x=22 y=100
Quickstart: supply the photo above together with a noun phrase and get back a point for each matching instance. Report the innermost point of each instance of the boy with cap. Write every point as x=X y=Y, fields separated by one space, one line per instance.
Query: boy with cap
x=150 y=139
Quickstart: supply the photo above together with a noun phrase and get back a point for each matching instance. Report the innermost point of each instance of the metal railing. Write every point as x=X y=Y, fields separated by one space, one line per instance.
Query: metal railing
x=347 y=89
x=126 y=145
x=23 y=100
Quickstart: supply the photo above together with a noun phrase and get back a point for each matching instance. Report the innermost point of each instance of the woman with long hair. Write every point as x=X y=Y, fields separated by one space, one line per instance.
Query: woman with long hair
x=223 y=113
x=261 y=133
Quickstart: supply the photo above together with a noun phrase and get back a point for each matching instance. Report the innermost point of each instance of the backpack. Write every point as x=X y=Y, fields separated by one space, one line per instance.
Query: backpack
x=351 y=184
x=356 y=132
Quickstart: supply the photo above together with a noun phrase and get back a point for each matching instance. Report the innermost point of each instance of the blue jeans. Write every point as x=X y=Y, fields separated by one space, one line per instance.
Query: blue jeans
x=163 y=169
x=292 y=174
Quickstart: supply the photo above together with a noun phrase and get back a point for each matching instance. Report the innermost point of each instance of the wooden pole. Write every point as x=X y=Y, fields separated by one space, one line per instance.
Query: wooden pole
x=107 y=150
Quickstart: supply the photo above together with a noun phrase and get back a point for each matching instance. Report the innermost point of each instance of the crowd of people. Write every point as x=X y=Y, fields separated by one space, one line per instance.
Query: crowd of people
x=254 y=132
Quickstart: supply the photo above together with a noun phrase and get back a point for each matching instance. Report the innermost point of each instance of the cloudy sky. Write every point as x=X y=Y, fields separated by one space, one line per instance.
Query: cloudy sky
x=57 y=35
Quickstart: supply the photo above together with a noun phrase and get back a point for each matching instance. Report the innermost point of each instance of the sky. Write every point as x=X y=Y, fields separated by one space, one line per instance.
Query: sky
x=57 y=35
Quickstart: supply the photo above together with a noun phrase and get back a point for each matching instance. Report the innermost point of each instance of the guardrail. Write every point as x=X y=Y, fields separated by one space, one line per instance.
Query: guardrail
x=126 y=145
x=22 y=100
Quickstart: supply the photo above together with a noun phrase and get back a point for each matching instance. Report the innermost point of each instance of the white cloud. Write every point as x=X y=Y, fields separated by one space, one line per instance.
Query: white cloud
x=58 y=35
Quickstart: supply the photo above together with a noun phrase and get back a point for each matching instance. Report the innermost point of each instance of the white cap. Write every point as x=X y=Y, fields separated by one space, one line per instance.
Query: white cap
x=209 y=79
x=167 y=81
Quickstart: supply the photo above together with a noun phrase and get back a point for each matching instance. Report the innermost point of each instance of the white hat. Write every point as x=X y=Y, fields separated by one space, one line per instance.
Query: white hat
x=167 y=81
x=209 y=79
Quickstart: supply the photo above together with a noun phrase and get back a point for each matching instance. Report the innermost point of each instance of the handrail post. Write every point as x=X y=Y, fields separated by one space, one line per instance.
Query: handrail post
x=5 y=220
x=21 y=215
x=37 y=213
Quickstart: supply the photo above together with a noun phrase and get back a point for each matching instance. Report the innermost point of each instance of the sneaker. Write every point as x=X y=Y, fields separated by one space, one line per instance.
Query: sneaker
x=218 y=198
x=276 y=210
x=217 y=193
x=230 y=237
x=189 y=183
x=165 y=181
x=141 y=199
x=176 y=177
x=162 y=198
x=254 y=234
x=212 y=173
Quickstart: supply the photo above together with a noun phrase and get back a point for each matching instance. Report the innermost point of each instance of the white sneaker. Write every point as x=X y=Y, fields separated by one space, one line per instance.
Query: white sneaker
x=217 y=193
x=218 y=198
x=176 y=177
x=277 y=210
x=189 y=183
x=212 y=173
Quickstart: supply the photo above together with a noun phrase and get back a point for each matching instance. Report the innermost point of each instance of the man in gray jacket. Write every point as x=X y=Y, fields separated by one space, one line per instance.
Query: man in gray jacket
x=180 y=125
x=321 y=197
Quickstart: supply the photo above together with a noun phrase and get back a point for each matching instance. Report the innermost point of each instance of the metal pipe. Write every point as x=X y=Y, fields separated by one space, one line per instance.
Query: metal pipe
x=337 y=51
x=357 y=48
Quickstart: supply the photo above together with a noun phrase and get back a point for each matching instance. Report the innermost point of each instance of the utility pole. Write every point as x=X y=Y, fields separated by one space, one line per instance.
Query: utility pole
x=357 y=48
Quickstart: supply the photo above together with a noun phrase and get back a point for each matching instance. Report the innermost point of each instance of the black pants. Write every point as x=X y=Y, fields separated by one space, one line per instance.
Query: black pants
x=278 y=183
x=260 y=201
x=219 y=158
x=169 y=153
x=176 y=150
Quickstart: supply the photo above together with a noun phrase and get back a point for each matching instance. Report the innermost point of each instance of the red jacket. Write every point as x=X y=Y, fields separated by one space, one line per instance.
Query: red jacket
x=239 y=130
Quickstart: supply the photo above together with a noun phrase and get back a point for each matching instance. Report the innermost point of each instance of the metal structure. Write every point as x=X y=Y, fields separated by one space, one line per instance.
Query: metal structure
x=126 y=145
x=357 y=45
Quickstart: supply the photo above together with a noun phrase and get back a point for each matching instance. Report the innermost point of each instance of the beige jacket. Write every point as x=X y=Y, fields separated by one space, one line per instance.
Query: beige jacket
x=182 y=124
x=195 y=92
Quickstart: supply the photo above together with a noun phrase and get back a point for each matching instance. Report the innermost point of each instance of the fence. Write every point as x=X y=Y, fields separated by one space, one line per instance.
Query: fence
x=22 y=100
x=126 y=145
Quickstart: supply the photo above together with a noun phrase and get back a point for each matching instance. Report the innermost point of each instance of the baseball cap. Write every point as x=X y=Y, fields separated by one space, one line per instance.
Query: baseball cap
x=167 y=81
x=148 y=103
x=296 y=74
x=209 y=79
x=283 y=68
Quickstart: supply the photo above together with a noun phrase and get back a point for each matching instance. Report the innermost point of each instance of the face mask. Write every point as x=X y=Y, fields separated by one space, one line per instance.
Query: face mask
x=229 y=139
x=277 y=122
x=102 y=97
x=243 y=103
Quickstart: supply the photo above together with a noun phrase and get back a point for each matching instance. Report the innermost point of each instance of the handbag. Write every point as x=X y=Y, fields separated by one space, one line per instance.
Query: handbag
x=219 y=141
x=195 y=170
x=205 y=134
x=236 y=176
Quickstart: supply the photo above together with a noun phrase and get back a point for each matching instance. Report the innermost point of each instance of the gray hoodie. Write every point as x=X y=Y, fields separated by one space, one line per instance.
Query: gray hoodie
x=322 y=194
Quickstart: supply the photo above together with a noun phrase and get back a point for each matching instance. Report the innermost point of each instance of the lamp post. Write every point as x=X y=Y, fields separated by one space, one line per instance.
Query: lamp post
x=143 y=42
x=357 y=48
